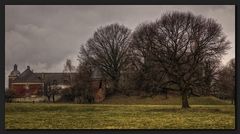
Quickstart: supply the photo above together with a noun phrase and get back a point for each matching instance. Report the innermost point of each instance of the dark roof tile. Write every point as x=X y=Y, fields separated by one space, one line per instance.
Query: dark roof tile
x=27 y=76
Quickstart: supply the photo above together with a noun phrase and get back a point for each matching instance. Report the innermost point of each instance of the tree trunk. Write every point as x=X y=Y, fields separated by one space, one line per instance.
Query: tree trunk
x=115 y=85
x=53 y=98
x=185 y=99
x=189 y=95
x=166 y=95
x=48 y=98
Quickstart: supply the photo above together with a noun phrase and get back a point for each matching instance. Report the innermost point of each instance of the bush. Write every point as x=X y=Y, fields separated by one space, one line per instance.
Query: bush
x=9 y=95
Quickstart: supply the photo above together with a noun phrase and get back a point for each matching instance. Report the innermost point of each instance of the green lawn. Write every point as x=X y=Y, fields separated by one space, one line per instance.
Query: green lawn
x=109 y=116
x=161 y=100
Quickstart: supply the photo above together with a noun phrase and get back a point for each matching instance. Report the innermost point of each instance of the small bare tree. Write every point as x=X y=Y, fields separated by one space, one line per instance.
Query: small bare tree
x=208 y=76
x=50 y=90
x=47 y=90
x=108 y=50
x=69 y=69
x=82 y=87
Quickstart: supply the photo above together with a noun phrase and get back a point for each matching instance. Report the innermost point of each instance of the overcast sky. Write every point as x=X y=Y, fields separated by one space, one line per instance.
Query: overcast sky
x=43 y=37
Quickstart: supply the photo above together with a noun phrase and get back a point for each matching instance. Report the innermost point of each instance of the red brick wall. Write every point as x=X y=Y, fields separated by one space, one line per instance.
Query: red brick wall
x=21 y=91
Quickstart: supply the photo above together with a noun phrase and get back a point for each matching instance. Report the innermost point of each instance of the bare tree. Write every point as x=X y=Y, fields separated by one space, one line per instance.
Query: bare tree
x=54 y=89
x=180 y=42
x=47 y=90
x=208 y=77
x=108 y=50
x=82 y=88
x=226 y=81
x=50 y=90
x=69 y=68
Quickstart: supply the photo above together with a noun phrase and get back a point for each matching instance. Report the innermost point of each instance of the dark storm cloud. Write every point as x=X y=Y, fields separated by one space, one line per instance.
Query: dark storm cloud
x=44 y=36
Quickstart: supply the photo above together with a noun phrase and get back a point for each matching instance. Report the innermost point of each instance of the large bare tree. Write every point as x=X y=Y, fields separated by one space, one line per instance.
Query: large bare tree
x=108 y=50
x=180 y=42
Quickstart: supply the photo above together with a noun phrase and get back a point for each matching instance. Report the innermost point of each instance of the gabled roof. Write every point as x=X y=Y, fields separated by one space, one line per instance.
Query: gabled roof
x=27 y=76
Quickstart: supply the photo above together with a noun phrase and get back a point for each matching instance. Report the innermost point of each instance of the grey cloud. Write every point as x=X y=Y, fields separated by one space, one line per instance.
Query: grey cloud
x=44 y=36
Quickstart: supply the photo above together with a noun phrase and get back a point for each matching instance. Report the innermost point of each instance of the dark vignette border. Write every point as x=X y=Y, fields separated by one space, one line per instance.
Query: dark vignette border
x=2 y=64
x=119 y=2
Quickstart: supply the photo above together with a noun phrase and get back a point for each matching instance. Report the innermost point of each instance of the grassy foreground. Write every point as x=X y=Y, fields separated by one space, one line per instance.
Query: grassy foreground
x=161 y=100
x=108 y=116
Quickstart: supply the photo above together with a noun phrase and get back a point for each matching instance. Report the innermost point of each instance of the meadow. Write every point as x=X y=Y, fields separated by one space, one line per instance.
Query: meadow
x=201 y=115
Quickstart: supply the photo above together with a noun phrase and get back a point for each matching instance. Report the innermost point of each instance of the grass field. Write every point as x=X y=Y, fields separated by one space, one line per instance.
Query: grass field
x=161 y=100
x=116 y=116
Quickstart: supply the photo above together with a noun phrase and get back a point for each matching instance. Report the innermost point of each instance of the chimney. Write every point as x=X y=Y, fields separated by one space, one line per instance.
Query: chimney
x=15 y=66
x=28 y=67
x=42 y=76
